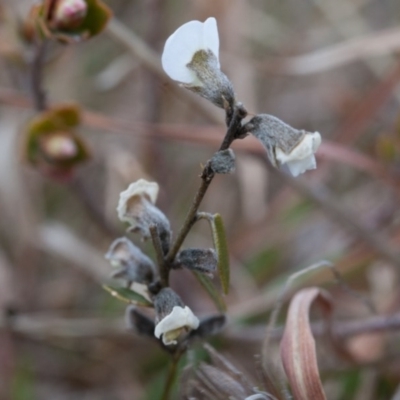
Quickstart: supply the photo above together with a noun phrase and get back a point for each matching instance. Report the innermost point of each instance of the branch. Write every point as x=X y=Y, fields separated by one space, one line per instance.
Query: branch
x=38 y=94
x=43 y=326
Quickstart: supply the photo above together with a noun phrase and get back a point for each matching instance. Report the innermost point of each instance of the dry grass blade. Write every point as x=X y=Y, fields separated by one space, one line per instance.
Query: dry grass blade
x=298 y=351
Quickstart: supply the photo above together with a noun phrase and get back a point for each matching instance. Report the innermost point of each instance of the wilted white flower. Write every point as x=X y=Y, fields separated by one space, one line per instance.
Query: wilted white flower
x=180 y=320
x=130 y=262
x=173 y=318
x=133 y=196
x=136 y=206
x=284 y=144
x=190 y=56
x=301 y=158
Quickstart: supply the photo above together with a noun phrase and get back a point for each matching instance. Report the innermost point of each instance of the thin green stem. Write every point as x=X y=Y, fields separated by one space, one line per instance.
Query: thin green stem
x=173 y=369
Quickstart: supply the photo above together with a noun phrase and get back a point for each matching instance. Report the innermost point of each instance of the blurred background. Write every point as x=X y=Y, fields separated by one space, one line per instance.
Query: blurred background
x=319 y=65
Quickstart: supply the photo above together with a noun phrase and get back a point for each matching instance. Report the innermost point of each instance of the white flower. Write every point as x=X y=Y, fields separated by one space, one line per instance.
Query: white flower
x=133 y=196
x=180 y=320
x=184 y=43
x=133 y=201
x=190 y=57
x=129 y=262
x=284 y=144
x=301 y=158
x=136 y=206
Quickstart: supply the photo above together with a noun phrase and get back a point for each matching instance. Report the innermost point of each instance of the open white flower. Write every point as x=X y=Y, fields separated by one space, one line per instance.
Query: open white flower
x=301 y=158
x=190 y=57
x=184 y=43
x=179 y=321
x=284 y=144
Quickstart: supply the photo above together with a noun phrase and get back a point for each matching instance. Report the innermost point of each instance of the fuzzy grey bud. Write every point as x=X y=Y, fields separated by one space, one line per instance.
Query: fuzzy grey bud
x=284 y=144
x=223 y=162
x=201 y=260
x=209 y=326
x=139 y=322
x=129 y=262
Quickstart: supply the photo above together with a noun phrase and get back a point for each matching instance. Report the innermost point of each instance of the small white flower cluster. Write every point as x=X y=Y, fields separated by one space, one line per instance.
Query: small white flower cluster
x=136 y=206
x=191 y=57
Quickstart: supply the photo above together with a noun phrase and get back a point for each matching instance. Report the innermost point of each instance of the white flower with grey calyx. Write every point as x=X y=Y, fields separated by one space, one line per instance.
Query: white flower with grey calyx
x=136 y=206
x=173 y=319
x=129 y=262
x=191 y=57
x=285 y=145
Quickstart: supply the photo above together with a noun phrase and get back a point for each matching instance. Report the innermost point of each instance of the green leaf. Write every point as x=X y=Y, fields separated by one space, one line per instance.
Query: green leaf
x=67 y=115
x=128 y=296
x=97 y=17
x=207 y=284
x=221 y=247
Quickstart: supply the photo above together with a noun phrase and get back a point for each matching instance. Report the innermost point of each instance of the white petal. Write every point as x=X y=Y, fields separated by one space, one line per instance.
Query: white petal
x=138 y=188
x=297 y=167
x=308 y=146
x=301 y=158
x=179 y=50
x=178 y=318
x=210 y=36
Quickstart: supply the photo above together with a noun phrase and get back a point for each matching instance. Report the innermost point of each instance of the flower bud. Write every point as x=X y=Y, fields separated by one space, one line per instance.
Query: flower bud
x=69 y=14
x=129 y=262
x=223 y=162
x=190 y=56
x=284 y=144
x=59 y=146
x=173 y=319
x=209 y=326
x=139 y=322
x=201 y=260
x=136 y=206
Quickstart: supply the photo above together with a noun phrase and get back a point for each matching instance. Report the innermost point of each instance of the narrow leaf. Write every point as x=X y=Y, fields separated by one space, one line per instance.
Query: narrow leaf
x=297 y=347
x=207 y=284
x=128 y=296
x=221 y=247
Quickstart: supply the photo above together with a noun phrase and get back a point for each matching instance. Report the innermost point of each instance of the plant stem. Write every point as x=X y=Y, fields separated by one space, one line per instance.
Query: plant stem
x=234 y=125
x=164 y=270
x=38 y=94
x=173 y=369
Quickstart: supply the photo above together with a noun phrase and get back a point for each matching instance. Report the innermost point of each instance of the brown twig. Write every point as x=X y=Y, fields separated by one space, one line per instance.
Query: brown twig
x=43 y=326
x=38 y=93
x=207 y=176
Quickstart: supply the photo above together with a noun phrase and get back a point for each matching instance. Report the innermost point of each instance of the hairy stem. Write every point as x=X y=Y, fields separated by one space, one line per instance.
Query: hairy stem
x=234 y=125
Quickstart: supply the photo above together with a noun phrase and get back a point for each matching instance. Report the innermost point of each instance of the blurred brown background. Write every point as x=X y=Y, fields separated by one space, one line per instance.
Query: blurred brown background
x=319 y=65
